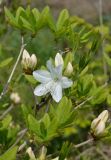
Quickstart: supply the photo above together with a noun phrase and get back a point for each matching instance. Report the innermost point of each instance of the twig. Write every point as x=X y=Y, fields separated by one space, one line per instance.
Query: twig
x=23 y=132
x=81 y=104
x=102 y=34
x=22 y=146
x=84 y=143
x=43 y=102
x=6 y=112
x=13 y=70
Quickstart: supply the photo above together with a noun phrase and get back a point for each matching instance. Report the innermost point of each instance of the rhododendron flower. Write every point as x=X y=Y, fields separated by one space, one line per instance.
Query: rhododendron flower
x=52 y=81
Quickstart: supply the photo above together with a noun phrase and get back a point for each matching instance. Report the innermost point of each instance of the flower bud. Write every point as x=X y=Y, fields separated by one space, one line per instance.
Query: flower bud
x=69 y=69
x=15 y=97
x=104 y=116
x=43 y=153
x=30 y=153
x=34 y=60
x=97 y=126
x=58 y=60
x=28 y=62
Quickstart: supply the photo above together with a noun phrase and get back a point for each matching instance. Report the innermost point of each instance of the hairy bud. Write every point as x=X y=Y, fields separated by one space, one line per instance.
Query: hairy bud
x=58 y=60
x=69 y=69
x=98 y=124
x=30 y=153
x=28 y=62
x=104 y=116
x=15 y=98
x=43 y=153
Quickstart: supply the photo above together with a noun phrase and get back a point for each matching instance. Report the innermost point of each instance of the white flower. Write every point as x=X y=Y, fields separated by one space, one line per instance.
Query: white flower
x=58 y=60
x=28 y=62
x=15 y=97
x=98 y=124
x=52 y=81
x=69 y=69
x=30 y=153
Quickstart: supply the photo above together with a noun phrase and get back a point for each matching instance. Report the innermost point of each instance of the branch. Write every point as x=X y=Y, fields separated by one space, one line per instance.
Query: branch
x=21 y=135
x=102 y=33
x=43 y=102
x=13 y=70
x=84 y=143
x=6 y=112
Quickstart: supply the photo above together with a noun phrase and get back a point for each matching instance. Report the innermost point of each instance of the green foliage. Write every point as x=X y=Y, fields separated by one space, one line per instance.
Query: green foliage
x=10 y=154
x=6 y=62
x=50 y=126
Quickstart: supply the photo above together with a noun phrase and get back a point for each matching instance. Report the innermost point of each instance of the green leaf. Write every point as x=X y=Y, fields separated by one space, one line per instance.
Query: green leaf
x=83 y=86
x=66 y=147
x=68 y=58
x=26 y=110
x=26 y=24
x=36 y=14
x=52 y=129
x=18 y=13
x=63 y=17
x=10 y=17
x=6 y=121
x=46 y=120
x=6 y=62
x=108 y=59
x=31 y=79
x=34 y=125
x=10 y=154
x=64 y=113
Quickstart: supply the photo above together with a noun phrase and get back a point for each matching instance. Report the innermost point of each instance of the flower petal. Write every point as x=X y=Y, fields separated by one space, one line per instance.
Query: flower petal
x=56 y=91
x=66 y=83
x=42 y=76
x=25 y=55
x=41 y=90
x=58 y=71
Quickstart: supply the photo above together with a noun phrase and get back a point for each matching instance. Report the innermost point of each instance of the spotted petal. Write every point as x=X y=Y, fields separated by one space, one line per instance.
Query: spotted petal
x=56 y=91
x=66 y=83
x=42 y=76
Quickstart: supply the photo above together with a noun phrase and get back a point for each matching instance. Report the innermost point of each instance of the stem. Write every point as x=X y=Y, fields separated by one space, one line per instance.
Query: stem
x=22 y=146
x=6 y=112
x=22 y=134
x=42 y=103
x=102 y=34
x=82 y=103
x=13 y=70
x=84 y=143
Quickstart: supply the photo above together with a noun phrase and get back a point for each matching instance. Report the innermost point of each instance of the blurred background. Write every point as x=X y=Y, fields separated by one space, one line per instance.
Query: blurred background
x=87 y=9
